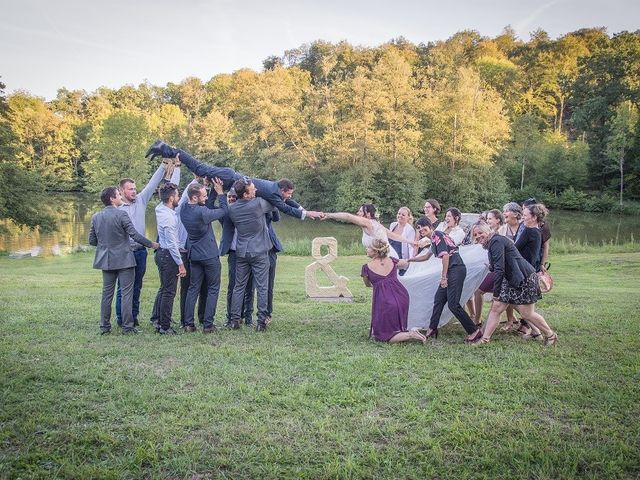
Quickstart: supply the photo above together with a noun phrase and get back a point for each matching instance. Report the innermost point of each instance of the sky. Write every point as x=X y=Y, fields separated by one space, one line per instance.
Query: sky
x=85 y=44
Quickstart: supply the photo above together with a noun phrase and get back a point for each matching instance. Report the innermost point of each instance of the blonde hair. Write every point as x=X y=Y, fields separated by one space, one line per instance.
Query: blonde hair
x=380 y=248
x=483 y=227
x=409 y=214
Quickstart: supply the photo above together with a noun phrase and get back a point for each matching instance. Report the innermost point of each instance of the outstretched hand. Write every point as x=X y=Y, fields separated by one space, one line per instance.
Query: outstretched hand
x=315 y=215
x=217 y=186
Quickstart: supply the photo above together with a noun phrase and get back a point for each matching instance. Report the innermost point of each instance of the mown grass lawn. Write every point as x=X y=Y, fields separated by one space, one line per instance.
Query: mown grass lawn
x=313 y=397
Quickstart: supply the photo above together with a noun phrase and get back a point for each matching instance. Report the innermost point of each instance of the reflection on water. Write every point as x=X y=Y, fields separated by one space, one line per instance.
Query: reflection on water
x=73 y=214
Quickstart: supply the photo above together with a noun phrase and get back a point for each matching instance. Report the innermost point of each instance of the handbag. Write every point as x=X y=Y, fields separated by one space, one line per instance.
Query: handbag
x=544 y=279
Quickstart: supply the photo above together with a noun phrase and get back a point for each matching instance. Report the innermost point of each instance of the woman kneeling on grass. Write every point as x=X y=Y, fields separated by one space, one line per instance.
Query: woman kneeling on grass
x=390 y=305
x=516 y=283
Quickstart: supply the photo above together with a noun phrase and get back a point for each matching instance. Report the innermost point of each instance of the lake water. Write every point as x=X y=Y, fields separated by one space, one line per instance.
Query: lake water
x=73 y=214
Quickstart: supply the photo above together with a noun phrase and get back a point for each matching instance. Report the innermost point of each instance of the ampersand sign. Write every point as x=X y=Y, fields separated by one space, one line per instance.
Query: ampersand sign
x=339 y=283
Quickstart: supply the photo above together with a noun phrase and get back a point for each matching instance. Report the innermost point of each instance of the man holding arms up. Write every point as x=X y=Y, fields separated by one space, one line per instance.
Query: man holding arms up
x=135 y=204
x=204 y=261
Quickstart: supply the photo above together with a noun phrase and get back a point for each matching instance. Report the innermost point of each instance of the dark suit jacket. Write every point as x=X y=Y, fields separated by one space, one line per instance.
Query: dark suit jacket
x=266 y=189
x=249 y=218
x=505 y=260
x=271 y=193
x=228 y=229
x=111 y=229
x=201 y=241
x=274 y=216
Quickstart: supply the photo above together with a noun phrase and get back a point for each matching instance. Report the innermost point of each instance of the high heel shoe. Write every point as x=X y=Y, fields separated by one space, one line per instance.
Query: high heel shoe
x=432 y=333
x=474 y=337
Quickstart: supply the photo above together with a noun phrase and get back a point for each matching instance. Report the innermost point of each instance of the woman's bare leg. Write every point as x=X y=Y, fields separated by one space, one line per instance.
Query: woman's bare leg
x=493 y=319
x=529 y=313
x=478 y=301
x=407 y=337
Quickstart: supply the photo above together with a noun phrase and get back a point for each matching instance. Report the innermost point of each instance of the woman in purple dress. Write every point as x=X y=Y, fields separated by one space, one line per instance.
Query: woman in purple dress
x=390 y=305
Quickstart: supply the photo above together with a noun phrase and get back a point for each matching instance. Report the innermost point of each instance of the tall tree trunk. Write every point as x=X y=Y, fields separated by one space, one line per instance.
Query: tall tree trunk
x=455 y=141
x=621 y=173
x=560 y=114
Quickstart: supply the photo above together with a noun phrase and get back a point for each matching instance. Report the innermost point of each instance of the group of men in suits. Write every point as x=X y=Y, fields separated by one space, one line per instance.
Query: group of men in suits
x=187 y=250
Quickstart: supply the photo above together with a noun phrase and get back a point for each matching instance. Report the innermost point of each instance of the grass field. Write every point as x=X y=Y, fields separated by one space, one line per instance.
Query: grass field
x=313 y=397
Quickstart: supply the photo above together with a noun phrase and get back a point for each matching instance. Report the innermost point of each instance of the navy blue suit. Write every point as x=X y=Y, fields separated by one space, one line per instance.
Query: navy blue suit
x=266 y=189
x=273 y=257
x=204 y=261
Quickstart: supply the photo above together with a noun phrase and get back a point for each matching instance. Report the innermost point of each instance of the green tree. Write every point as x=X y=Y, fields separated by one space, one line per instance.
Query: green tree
x=21 y=193
x=117 y=151
x=607 y=79
x=622 y=128
x=42 y=141
x=465 y=123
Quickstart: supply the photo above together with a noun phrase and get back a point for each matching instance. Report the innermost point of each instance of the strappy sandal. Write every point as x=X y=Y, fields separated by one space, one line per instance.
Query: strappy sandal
x=551 y=341
x=480 y=342
x=531 y=336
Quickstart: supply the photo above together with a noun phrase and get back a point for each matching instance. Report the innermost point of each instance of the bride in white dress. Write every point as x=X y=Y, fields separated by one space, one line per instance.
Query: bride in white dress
x=372 y=229
x=422 y=279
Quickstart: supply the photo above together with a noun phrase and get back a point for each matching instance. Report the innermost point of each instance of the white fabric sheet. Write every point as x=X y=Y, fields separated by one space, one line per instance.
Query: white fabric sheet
x=422 y=279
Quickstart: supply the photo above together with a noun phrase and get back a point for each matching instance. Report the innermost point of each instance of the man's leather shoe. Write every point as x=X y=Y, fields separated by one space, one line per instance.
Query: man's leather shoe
x=168 y=331
x=235 y=325
x=261 y=327
x=105 y=332
x=161 y=149
x=190 y=328
x=211 y=329
x=131 y=331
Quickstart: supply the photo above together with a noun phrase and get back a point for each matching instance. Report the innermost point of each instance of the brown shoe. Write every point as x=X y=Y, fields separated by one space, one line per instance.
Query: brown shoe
x=211 y=329
x=190 y=328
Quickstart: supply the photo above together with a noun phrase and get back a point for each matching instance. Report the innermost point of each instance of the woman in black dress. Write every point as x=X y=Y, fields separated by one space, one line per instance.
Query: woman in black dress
x=516 y=283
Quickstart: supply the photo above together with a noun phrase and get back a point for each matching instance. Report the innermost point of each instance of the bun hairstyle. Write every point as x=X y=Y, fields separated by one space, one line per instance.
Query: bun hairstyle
x=380 y=248
x=538 y=210
x=369 y=210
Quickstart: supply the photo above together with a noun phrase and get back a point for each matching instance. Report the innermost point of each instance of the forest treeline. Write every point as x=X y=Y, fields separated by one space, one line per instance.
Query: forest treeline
x=473 y=121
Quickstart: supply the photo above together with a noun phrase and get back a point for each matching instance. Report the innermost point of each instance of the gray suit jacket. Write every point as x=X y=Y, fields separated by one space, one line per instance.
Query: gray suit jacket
x=110 y=232
x=248 y=216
